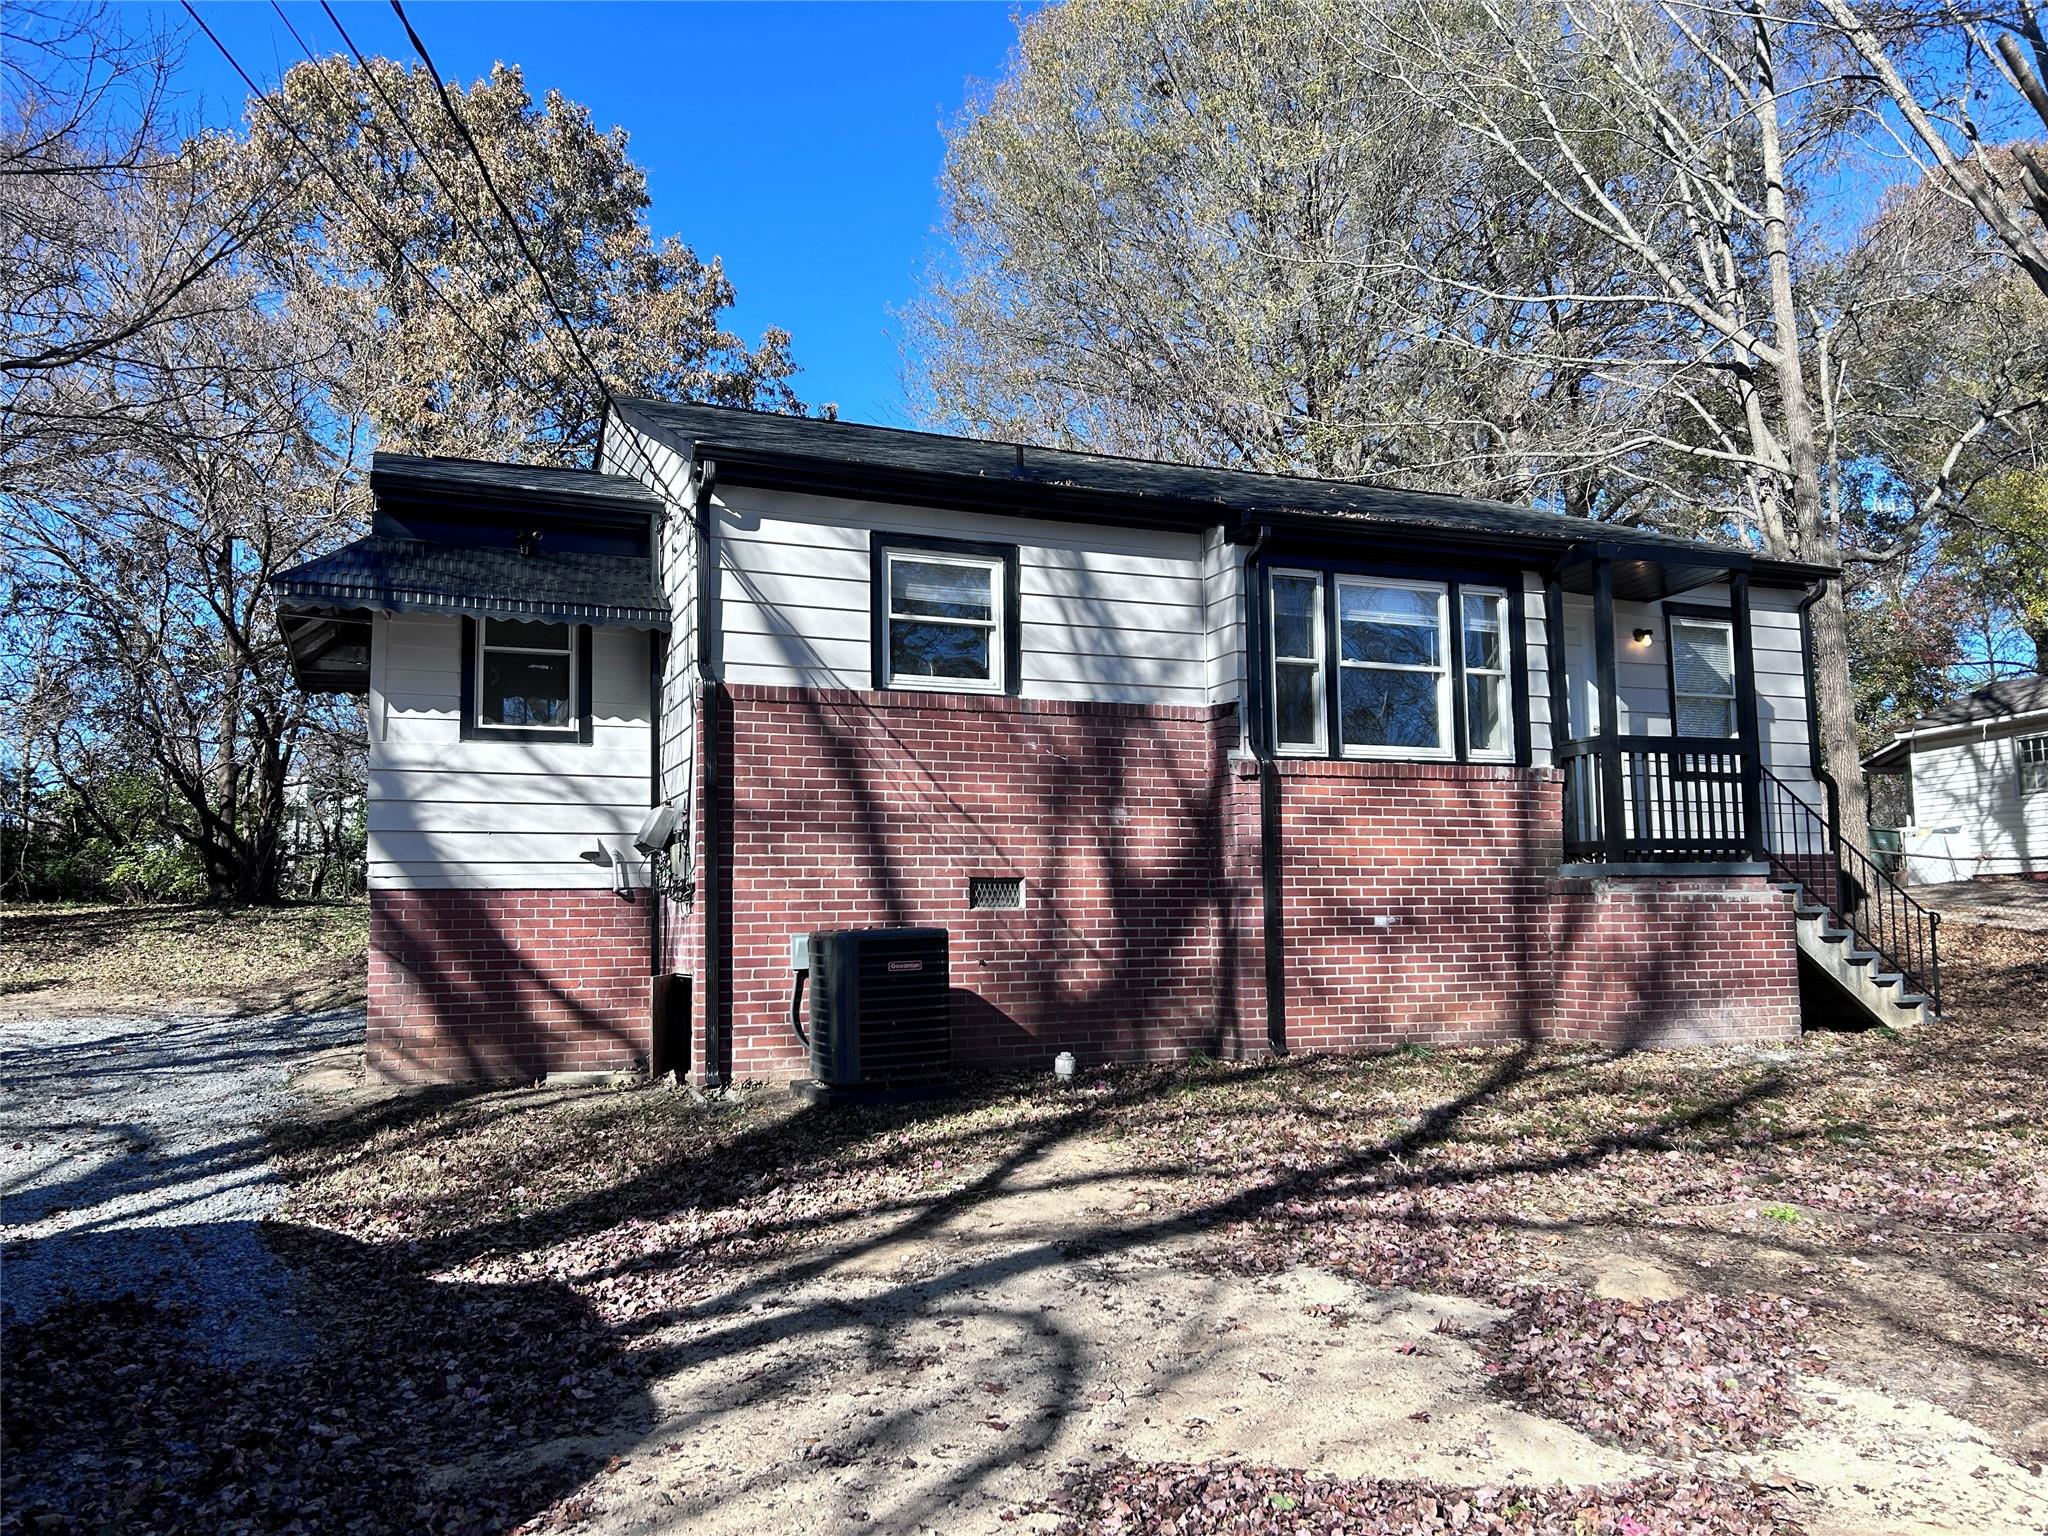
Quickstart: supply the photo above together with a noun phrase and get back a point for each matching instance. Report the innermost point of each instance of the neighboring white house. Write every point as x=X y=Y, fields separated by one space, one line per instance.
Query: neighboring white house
x=1976 y=783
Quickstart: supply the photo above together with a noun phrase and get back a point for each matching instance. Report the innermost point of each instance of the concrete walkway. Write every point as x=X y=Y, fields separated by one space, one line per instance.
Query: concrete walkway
x=132 y=1160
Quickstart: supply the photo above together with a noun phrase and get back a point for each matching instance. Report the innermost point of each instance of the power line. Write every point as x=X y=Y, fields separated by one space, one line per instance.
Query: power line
x=505 y=208
x=494 y=353
x=448 y=189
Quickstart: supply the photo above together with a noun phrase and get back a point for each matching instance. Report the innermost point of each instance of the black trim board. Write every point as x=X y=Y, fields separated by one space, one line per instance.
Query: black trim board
x=881 y=542
x=471 y=731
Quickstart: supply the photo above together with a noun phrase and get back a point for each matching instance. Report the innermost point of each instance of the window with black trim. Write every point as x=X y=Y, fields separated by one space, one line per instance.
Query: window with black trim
x=525 y=680
x=945 y=615
x=1489 y=688
x=1392 y=666
x=1702 y=675
x=1297 y=681
x=2033 y=752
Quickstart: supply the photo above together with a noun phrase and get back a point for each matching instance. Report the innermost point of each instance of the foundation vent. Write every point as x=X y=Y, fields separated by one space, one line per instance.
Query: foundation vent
x=995 y=893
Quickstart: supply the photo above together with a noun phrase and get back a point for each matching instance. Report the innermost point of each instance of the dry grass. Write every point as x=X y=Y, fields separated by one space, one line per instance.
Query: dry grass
x=62 y=958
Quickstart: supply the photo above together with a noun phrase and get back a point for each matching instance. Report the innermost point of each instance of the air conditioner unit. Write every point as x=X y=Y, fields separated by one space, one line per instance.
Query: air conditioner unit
x=880 y=1012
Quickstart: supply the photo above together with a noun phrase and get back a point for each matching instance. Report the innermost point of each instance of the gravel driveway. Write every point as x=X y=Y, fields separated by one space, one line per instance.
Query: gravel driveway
x=132 y=1160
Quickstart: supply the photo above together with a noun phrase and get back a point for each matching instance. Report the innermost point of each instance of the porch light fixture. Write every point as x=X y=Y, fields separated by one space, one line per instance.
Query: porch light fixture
x=1645 y=636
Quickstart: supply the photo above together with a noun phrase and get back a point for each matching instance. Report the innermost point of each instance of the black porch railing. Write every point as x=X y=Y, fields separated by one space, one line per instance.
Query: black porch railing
x=1657 y=800
x=1803 y=847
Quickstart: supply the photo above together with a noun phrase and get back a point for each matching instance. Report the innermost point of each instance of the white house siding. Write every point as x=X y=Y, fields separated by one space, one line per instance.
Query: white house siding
x=1223 y=603
x=1969 y=817
x=1536 y=647
x=1111 y=615
x=444 y=812
x=653 y=462
x=1643 y=672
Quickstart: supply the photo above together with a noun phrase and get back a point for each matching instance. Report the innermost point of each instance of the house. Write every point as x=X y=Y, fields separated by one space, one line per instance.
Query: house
x=1182 y=759
x=1976 y=773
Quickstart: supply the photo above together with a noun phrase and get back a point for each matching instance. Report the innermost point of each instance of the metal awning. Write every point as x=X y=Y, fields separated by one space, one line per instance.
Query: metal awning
x=324 y=604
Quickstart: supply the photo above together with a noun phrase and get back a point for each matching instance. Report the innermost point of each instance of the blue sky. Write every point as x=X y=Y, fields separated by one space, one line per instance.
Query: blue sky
x=801 y=142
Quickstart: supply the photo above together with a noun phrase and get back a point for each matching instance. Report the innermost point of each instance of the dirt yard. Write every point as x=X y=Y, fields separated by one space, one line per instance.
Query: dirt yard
x=1531 y=1291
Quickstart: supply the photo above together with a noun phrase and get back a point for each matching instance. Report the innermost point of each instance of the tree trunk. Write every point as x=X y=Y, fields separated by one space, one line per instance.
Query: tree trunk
x=1810 y=536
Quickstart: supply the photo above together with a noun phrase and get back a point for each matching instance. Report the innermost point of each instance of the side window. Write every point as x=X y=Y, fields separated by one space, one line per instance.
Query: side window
x=525 y=680
x=1489 y=721
x=1702 y=677
x=944 y=616
x=1393 y=660
x=1298 y=708
x=2033 y=764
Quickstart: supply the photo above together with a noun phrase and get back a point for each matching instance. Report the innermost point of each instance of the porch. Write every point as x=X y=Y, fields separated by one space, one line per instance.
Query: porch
x=1651 y=803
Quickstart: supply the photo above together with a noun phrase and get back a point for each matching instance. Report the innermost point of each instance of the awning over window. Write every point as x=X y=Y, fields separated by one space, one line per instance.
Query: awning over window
x=323 y=604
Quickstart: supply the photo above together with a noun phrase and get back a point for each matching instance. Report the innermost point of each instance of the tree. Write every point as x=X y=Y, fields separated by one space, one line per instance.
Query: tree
x=2001 y=551
x=155 y=476
x=449 y=340
x=1220 y=234
x=1955 y=82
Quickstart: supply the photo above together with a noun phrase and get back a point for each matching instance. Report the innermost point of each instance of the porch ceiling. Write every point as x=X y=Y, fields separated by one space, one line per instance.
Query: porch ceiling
x=1641 y=577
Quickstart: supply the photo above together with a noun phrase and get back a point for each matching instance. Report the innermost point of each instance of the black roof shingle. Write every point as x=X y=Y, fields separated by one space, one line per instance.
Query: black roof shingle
x=1188 y=488
x=412 y=576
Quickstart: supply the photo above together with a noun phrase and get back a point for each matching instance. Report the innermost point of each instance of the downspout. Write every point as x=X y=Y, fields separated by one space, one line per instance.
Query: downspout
x=1272 y=834
x=1826 y=780
x=657 y=897
x=709 y=897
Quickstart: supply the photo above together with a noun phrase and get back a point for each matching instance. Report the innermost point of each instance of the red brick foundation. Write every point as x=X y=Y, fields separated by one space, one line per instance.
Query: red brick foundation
x=1415 y=900
x=874 y=809
x=481 y=985
x=1675 y=962
x=1421 y=902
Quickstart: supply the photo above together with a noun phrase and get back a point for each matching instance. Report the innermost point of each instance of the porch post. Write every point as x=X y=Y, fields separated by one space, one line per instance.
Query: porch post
x=1611 y=825
x=1746 y=731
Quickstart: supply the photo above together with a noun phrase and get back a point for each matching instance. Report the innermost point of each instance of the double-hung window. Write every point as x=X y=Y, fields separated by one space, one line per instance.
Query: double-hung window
x=944 y=616
x=526 y=679
x=1488 y=702
x=1297 y=629
x=1394 y=668
x=1702 y=676
x=2033 y=751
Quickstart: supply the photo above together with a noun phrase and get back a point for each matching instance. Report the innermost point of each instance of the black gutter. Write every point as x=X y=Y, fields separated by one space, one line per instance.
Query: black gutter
x=657 y=898
x=1272 y=831
x=1053 y=499
x=709 y=903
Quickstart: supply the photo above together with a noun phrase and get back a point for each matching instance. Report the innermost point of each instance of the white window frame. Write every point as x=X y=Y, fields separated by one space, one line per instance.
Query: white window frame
x=574 y=726
x=1505 y=672
x=1319 y=659
x=2033 y=769
x=1446 y=749
x=1672 y=623
x=996 y=624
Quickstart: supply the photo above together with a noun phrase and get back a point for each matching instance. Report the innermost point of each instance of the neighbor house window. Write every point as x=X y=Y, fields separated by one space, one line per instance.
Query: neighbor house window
x=526 y=679
x=945 y=616
x=1393 y=667
x=2033 y=764
x=1702 y=677
x=1298 y=710
x=526 y=675
x=1489 y=723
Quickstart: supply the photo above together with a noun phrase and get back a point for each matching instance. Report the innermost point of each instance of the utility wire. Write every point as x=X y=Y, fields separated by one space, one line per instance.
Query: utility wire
x=426 y=158
x=494 y=353
x=512 y=221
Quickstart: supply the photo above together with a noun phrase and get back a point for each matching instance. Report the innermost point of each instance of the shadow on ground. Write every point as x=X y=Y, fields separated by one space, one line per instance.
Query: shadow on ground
x=387 y=1402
